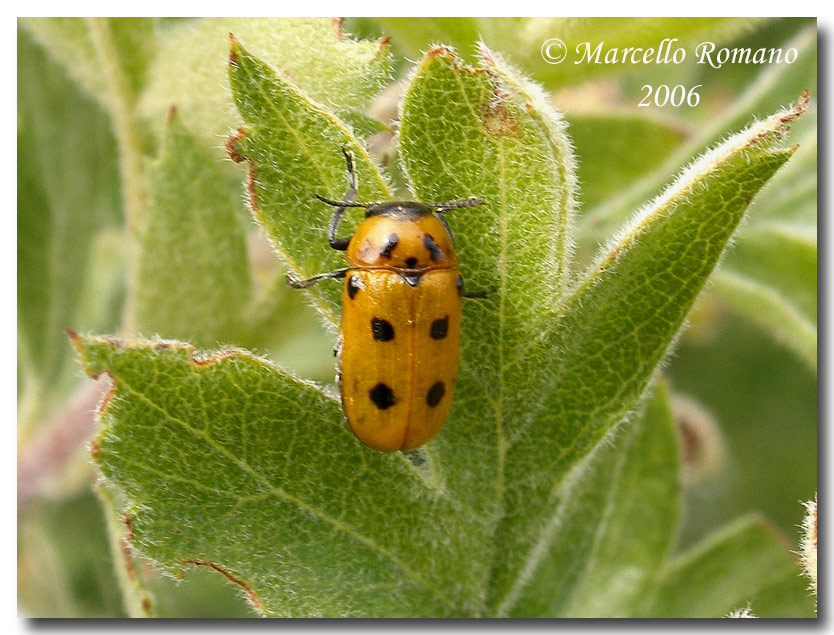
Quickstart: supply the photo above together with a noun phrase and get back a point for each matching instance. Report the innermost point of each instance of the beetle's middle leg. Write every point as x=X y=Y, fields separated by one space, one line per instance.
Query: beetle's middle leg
x=295 y=283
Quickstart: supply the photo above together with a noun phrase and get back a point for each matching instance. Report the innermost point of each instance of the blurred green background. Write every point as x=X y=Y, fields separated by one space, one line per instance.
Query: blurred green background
x=756 y=396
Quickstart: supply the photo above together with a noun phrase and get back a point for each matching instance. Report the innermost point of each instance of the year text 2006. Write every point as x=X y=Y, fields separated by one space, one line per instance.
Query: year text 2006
x=675 y=96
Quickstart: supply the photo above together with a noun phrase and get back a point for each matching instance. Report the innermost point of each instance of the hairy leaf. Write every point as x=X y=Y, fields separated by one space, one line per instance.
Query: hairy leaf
x=615 y=327
x=67 y=193
x=230 y=463
x=615 y=522
x=314 y=53
x=193 y=280
x=69 y=41
x=485 y=132
x=775 y=86
x=745 y=565
x=605 y=150
x=293 y=147
x=524 y=37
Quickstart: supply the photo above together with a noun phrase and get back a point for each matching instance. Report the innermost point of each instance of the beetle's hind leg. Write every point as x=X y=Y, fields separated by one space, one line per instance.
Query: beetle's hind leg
x=309 y=282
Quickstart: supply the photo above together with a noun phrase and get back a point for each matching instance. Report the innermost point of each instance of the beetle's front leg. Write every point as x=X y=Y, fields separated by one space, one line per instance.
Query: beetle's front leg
x=348 y=199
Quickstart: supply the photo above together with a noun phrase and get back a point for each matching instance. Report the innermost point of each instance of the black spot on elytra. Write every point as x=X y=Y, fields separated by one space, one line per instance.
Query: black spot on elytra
x=353 y=287
x=435 y=394
x=390 y=243
x=382 y=330
x=411 y=262
x=382 y=396
x=459 y=285
x=439 y=328
x=412 y=278
x=434 y=250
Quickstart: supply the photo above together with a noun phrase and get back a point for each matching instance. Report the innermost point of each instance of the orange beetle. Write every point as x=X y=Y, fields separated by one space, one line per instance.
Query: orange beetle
x=398 y=350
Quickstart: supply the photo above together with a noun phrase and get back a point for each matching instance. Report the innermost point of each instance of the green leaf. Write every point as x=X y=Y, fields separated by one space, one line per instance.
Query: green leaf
x=313 y=53
x=615 y=522
x=745 y=565
x=231 y=463
x=193 y=275
x=280 y=321
x=293 y=146
x=363 y=125
x=617 y=324
x=228 y=462
x=68 y=40
x=791 y=196
x=770 y=277
x=67 y=193
x=782 y=256
x=524 y=37
x=775 y=86
x=605 y=150
x=63 y=567
x=486 y=132
x=766 y=307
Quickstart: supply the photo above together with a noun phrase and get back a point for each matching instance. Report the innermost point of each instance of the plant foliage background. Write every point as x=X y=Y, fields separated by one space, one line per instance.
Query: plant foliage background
x=568 y=481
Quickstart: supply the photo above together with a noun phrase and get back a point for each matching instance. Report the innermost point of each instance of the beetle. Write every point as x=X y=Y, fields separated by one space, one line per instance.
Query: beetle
x=400 y=328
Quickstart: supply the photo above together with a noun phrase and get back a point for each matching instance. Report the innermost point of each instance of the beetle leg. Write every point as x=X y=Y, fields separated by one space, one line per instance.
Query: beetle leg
x=303 y=284
x=478 y=295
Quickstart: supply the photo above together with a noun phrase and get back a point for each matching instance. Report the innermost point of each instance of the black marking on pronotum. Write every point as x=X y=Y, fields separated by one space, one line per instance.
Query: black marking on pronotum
x=459 y=285
x=439 y=328
x=353 y=286
x=390 y=243
x=382 y=396
x=434 y=251
x=435 y=393
x=411 y=262
x=411 y=278
x=382 y=330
